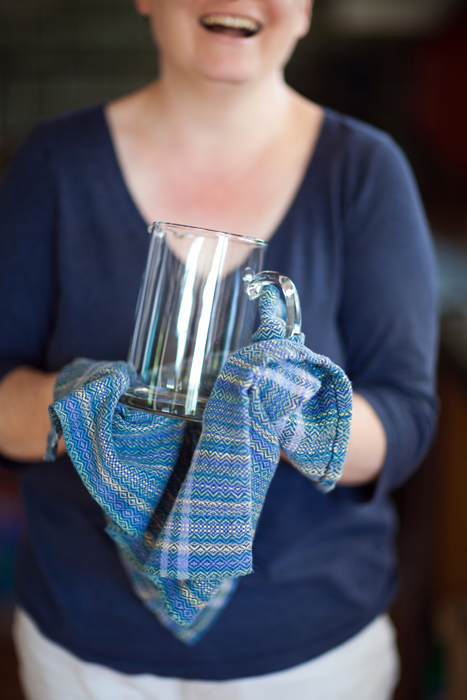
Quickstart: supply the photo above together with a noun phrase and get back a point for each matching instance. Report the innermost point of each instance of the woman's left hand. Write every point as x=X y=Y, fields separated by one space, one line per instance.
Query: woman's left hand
x=367 y=445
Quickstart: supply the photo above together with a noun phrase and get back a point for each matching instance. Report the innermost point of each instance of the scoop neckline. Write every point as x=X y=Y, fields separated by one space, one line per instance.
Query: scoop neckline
x=135 y=212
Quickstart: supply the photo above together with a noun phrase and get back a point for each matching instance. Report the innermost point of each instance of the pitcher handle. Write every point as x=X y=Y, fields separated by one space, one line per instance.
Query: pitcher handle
x=286 y=287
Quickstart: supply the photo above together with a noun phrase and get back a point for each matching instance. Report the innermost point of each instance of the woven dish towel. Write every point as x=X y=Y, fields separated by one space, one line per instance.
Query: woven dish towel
x=184 y=523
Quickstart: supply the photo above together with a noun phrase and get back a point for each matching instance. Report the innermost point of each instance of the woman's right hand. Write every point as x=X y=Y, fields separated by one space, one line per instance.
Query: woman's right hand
x=25 y=394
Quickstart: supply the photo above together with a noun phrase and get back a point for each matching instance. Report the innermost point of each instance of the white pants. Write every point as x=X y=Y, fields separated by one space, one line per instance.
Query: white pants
x=365 y=667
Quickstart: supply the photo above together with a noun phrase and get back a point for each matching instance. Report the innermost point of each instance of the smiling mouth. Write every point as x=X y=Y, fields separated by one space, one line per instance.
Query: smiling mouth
x=231 y=25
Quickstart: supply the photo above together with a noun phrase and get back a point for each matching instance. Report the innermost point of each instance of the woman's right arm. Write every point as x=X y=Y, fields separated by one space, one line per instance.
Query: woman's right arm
x=25 y=394
x=27 y=298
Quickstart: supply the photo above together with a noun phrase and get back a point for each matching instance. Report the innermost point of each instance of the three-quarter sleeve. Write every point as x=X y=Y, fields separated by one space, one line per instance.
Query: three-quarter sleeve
x=388 y=314
x=27 y=284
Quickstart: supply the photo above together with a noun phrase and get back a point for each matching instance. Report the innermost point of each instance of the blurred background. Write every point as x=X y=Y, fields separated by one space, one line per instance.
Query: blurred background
x=400 y=65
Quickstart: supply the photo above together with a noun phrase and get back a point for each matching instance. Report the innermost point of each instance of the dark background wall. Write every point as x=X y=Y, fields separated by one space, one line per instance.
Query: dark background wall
x=58 y=55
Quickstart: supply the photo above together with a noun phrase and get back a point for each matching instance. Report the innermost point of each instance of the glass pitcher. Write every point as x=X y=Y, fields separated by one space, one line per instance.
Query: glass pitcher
x=197 y=305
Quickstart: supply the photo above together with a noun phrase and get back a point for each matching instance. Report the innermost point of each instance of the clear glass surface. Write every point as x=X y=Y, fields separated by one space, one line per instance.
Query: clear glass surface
x=197 y=305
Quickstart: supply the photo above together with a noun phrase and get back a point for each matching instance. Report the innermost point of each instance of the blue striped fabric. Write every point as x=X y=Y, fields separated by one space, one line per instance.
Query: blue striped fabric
x=183 y=507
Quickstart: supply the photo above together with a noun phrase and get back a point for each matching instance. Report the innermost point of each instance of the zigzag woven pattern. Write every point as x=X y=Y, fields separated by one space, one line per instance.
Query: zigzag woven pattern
x=184 y=523
x=124 y=457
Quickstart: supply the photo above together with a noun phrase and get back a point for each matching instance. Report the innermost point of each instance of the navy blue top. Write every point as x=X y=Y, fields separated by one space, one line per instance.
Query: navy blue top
x=72 y=250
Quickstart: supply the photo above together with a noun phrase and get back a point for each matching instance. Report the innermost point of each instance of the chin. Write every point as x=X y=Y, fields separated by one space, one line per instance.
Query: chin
x=229 y=78
x=228 y=71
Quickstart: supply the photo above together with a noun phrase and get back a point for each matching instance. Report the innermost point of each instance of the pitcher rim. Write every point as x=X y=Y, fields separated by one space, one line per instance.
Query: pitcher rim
x=246 y=239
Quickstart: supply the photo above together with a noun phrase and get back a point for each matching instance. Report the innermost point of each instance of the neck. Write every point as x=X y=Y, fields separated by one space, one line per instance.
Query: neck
x=207 y=113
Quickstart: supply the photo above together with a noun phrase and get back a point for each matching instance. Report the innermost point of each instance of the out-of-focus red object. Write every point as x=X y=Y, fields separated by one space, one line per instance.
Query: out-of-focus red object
x=439 y=95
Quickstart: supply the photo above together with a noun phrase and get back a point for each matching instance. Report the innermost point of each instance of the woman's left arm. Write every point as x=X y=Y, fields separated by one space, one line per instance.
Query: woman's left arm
x=388 y=319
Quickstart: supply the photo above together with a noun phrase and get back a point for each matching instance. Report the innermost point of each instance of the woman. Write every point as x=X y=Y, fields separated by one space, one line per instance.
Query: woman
x=218 y=141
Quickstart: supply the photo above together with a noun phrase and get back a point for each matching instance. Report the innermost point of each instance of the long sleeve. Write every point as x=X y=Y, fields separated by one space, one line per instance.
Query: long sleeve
x=27 y=213
x=388 y=314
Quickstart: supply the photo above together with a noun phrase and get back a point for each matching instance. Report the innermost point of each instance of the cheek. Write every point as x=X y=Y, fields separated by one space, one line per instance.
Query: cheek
x=291 y=13
x=168 y=22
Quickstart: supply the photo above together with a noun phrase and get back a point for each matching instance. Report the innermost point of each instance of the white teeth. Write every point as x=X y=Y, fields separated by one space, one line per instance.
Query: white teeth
x=231 y=22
